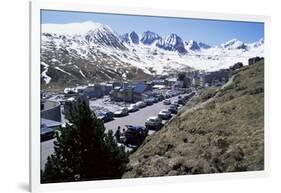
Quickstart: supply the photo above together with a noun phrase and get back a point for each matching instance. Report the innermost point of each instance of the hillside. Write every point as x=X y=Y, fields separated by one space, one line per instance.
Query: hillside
x=219 y=131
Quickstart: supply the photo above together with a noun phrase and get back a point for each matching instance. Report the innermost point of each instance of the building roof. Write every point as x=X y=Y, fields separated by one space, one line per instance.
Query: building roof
x=159 y=86
x=49 y=123
x=49 y=104
x=172 y=79
x=45 y=130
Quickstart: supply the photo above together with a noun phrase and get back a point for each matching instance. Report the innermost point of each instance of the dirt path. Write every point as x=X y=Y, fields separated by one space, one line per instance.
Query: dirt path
x=228 y=82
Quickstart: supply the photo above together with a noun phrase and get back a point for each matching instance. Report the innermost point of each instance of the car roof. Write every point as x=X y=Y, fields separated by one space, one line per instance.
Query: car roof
x=154 y=117
x=135 y=128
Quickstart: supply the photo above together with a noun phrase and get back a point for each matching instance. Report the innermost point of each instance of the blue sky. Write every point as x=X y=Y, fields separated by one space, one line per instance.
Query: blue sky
x=212 y=32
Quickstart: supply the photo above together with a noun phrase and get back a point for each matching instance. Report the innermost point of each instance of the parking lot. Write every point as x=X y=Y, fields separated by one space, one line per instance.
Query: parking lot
x=137 y=118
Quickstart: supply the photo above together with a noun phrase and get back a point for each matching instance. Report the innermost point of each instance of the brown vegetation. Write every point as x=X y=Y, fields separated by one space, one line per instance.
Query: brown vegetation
x=224 y=135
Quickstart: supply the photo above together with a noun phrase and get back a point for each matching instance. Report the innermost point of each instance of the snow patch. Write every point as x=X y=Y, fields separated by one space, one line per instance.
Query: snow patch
x=44 y=75
x=82 y=73
x=57 y=68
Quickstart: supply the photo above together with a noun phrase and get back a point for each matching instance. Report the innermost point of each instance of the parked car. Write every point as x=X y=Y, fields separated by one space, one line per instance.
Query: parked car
x=167 y=102
x=133 y=108
x=165 y=114
x=135 y=135
x=176 y=102
x=160 y=97
x=186 y=97
x=181 y=101
x=121 y=112
x=174 y=93
x=155 y=100
x=168 y=96
x=148 y=101
x=105 y=116
x=153 y=123
x=181 y=91
x=140 y=104
x=46 y=133
x=173 y=109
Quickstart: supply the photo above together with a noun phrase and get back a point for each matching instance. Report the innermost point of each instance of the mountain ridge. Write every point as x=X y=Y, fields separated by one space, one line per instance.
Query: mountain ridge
x=83 y=49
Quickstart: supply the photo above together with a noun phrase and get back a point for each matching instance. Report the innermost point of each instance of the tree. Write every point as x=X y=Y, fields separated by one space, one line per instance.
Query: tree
x=83 y=151
x=181 y=76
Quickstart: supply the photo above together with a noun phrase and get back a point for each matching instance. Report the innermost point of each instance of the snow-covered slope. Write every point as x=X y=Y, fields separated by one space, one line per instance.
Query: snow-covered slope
x=86 y=52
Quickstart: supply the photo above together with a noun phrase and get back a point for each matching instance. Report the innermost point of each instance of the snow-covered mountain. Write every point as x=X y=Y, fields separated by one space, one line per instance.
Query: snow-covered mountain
x=149 y=37
x=85 y=52
x=234 y=44
x=196 y=46
x=172 y=43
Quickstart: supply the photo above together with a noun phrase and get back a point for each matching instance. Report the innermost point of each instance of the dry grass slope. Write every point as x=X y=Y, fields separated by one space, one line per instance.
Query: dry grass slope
x=226 y=135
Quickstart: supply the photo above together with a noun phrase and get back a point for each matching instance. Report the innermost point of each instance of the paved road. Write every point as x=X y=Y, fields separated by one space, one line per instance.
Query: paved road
x=136 y=118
